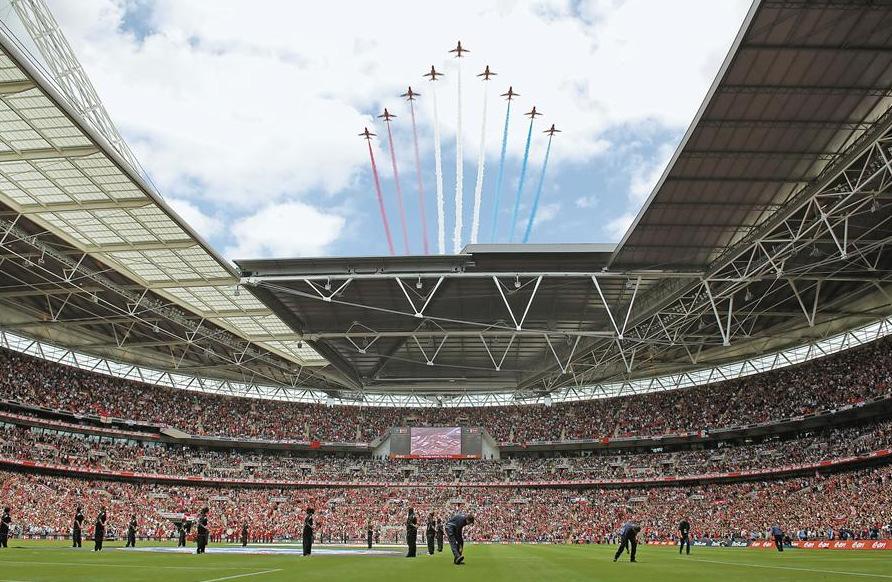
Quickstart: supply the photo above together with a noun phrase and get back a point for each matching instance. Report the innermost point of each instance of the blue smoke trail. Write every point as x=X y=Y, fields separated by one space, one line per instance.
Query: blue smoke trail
x=495 y=211
x=526 y=234
x=523 y=175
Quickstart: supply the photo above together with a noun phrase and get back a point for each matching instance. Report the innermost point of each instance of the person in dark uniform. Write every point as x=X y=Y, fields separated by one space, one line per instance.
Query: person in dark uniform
x=77 y=527
x=377 y=535
x=182 y=529
x=439 y=535
x=684 y=530
x=244 y=535
x=203 y=532
x=369 y=533
x=131 y=533
x=455 y=532
x=411 y=533
x=308 y=532
x=778 y=534
x=430 y=533
x=99 y=530
x=629 y=539
x=4 y=527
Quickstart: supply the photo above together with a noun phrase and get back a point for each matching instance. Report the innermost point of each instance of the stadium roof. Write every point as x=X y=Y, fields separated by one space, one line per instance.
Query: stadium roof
x=801 y=83
x=89 y=248
x=769 y=227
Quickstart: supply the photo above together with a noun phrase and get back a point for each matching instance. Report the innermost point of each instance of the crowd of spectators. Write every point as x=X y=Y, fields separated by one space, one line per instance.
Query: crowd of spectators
x=84 y=451
x=845 y=378
x=822 y=506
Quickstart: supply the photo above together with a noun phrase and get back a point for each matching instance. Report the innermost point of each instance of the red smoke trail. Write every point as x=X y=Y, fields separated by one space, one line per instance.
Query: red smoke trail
x=399 y=190
x=381 y=200
x=420 y=181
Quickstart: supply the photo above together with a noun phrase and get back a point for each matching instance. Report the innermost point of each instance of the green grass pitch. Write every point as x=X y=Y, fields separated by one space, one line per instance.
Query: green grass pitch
x=54 y=562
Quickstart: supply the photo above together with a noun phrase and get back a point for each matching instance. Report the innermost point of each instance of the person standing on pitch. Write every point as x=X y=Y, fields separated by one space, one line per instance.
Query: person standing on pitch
x=430 y=532
x=203 y=533
x=412 y=533
x=99 y=530
x=684 y=529
x=131 y=533
x=439 y=535
x=778 y=534
x=629 y=538
x=76 y=527
x=308 y=532
x=181 y=533
x=455 y=532
x=4 y=527
x=245 y=535
x=369 y=532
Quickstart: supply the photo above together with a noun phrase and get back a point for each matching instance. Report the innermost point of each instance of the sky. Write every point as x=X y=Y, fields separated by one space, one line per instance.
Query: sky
x=246 y=114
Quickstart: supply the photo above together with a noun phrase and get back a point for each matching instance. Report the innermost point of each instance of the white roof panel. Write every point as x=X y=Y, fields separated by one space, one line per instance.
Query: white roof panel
x=71 y=183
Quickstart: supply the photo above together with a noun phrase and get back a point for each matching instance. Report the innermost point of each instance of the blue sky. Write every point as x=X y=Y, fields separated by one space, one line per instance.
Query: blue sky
x=246 y=114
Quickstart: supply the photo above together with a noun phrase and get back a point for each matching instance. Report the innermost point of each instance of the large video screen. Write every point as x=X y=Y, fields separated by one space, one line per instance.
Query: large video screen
x=435 y=442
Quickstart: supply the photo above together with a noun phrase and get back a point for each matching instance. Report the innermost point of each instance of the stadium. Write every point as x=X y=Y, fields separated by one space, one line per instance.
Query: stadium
x=721 y=375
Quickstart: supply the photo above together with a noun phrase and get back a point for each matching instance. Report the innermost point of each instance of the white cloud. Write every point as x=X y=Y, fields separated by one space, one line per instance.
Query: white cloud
x=646 y=173
x=586 y=201
x=291 y=229
x=547 y=212
x=237 y=106
x=252 y=103
x=617 y=227
x=206 y=225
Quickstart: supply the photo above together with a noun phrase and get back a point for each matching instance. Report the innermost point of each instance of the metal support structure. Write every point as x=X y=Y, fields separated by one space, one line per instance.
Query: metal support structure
x=69 y=74
x=802 y=353
x=518 y=323
x=817 y=224
x=115 y=305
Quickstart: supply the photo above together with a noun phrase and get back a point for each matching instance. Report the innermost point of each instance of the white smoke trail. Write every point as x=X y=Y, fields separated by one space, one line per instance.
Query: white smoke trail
x=481 y=166
x=459 y=173
x=438 y=170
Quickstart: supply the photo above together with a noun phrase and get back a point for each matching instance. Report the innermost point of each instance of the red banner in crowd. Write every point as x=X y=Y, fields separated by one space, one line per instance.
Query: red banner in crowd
x=831 y=545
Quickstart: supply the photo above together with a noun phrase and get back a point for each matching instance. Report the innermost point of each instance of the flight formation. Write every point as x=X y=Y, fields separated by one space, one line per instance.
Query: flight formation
x=519 y=229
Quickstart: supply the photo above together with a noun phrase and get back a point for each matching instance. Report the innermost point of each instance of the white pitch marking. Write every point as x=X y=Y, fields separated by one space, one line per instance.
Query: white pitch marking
x=864 y=574
x=32 y=562
x=243 y=575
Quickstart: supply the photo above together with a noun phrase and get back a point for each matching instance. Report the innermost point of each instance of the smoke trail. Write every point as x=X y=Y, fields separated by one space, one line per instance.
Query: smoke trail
x=481 y=163
x=498 y=200
x=438 y=170
x=381 y=200
x=420 y=181
x=526 y=234
x=399 y=189
x=459 y=172
x=523 y=175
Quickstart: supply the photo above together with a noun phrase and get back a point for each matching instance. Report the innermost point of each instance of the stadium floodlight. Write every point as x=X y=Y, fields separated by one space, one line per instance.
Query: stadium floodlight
x=516 y=282
x=418 y=284
x=237 y=291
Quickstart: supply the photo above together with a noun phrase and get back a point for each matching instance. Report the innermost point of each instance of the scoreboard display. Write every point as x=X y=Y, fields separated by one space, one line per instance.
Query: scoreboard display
x=435 y=442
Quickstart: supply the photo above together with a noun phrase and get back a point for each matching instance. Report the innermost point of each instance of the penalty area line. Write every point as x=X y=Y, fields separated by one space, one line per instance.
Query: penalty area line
x=815 y=570
x=243 y=575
